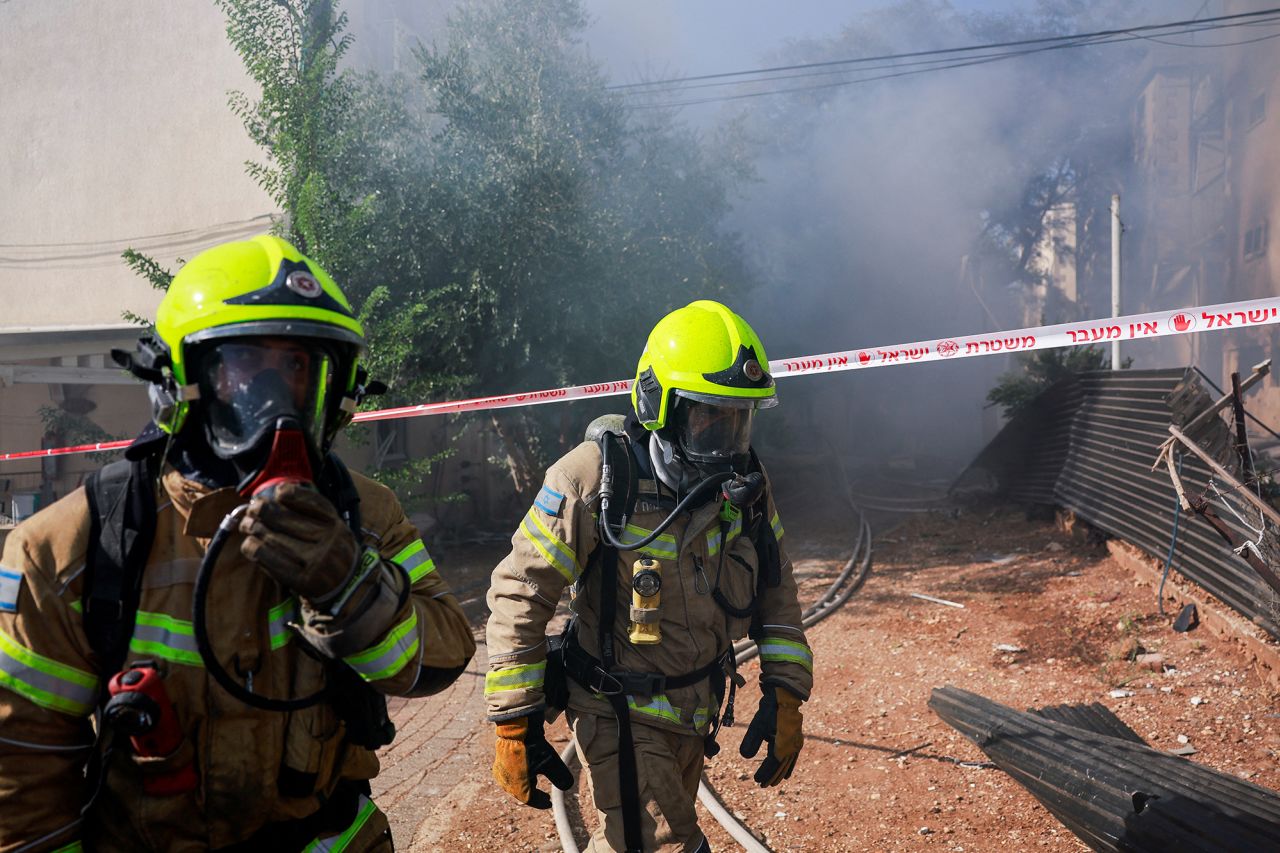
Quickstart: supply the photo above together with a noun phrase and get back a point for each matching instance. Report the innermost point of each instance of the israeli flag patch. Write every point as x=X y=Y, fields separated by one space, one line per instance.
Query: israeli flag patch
x=549 y=501
x=10 y=584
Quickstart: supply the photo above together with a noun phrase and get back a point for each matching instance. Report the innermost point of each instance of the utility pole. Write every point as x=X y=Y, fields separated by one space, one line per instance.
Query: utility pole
x=1117 y=228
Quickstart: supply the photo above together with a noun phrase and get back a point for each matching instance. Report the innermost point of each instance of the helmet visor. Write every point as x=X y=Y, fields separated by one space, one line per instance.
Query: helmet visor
x=711 y=433
x=248 y=384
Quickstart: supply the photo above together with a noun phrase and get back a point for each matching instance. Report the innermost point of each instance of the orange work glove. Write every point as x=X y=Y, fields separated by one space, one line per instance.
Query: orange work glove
x=521 y=755
x=779 y=723
x=298 y=538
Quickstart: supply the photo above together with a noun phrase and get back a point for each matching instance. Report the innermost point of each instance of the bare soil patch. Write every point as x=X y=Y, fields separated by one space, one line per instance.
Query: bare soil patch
x=1047 y=619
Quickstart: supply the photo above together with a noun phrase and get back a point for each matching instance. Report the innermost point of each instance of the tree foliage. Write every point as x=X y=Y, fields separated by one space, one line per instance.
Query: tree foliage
x=502 y=220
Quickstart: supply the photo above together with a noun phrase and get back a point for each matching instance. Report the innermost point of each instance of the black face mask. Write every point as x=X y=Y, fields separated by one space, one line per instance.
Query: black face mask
x=247 y=385
x=262 y=406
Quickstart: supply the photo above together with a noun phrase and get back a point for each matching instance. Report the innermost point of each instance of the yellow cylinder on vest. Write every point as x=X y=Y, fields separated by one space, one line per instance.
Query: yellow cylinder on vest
x=646 y=589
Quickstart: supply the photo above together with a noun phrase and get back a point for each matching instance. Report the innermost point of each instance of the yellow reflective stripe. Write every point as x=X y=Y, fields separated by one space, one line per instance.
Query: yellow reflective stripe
x=664 y=547
x=526 y=677
x=415 y=560
x=658 y=706
x=778 y=649
x=165 y=637
x=339 y=843
x=557 y=554
x=45 y=681
x=713 y=536
x=776 y=524
x=73 y=847
x=278 y=619
x=701 y=716
x=389 y=656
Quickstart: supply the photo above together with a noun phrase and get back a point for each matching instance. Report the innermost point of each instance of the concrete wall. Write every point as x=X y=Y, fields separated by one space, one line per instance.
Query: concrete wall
x=116 y=133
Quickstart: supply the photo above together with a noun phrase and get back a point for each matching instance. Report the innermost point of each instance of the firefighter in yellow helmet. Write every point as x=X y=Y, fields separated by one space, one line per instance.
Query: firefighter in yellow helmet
x=665 y=527
x=229 y=600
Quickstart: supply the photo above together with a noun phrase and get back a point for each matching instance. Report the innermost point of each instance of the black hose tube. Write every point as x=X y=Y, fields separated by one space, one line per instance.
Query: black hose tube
x=706 y=483
x=201 y=629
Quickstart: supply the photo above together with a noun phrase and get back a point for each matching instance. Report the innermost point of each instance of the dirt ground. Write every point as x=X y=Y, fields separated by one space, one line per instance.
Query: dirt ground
x=879 y=770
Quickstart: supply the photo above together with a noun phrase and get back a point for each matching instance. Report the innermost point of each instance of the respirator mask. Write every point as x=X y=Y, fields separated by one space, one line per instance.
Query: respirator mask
x=702 y=439
x=265 y=402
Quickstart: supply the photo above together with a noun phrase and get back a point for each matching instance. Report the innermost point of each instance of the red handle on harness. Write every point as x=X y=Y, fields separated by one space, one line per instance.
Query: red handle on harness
x=140 y=708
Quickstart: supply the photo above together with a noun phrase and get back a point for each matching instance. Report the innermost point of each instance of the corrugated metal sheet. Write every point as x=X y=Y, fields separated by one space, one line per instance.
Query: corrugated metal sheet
x=1026 y=457
x=1111 y=427
x=1094 y=717
x=1116 y=793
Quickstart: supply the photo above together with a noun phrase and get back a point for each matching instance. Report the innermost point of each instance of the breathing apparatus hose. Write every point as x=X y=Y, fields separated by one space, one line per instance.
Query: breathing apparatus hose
x=606 y=494
x=201 y=628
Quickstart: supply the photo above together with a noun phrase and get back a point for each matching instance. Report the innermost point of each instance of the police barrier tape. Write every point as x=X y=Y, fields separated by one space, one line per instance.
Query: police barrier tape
x=1231 y=315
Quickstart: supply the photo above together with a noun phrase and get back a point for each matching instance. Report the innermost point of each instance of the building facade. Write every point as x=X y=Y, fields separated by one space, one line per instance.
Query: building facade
x=1205 y=191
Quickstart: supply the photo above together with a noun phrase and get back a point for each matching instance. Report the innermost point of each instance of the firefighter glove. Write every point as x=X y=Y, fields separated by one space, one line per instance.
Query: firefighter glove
x=522 y=755
x=297 y=537
x=778 y=723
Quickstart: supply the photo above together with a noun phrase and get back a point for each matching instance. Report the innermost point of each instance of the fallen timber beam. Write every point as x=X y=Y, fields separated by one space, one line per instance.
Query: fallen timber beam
x=1230 y=479
x=1193 y=426
x=1114 y=793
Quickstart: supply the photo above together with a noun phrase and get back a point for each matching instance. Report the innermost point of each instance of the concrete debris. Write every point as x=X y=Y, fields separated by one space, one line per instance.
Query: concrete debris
x=1009 y=647
x=1187 y=619
x=1152 y=661
x=1120 y=694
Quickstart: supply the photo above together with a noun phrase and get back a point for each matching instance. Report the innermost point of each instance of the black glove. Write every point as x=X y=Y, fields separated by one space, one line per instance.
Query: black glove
x=521 y=755
x=778 y=722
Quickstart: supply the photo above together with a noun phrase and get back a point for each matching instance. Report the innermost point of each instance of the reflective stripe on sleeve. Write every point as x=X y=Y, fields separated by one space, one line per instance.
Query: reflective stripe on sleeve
x=73 y=847
x=788 y=651
x=664 y=547
x=389 y=656
x=45 y=681
x=776 y=524
x=163 y=636
x=555 y=552
x=278 y=619
x=415 y=560
x=341 y=842
x=530 y=676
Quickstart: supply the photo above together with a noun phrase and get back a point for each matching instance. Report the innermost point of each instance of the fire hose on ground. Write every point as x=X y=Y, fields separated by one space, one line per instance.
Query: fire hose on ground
x=850 y=579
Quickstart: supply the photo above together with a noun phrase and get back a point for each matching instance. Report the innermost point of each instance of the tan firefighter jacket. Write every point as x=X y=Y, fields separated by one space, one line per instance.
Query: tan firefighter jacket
x=50 y=681
x=550 y=551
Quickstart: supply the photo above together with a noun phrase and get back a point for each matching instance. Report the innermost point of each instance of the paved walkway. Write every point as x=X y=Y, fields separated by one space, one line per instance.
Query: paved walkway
x=440 y=741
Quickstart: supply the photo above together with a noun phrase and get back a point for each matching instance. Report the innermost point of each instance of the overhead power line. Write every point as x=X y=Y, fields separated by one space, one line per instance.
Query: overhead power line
x=105 y=253
x=887 y=57
x=927 y=61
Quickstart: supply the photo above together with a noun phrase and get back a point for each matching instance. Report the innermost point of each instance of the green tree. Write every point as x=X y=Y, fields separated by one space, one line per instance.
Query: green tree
x=503 y=221
x=575 y=223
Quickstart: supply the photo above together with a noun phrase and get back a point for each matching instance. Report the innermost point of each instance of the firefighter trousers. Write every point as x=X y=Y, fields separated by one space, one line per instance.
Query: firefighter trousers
x=668 y=766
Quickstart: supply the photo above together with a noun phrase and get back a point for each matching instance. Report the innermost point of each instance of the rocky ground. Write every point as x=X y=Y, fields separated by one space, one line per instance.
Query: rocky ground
x=1048 y=617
